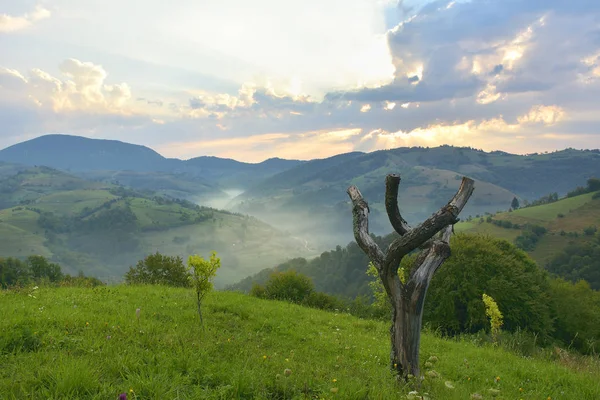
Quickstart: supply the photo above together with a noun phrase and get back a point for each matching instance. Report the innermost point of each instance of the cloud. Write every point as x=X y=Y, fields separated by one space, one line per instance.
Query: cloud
x=82 y=87
x=10 y=23
x=487 y=49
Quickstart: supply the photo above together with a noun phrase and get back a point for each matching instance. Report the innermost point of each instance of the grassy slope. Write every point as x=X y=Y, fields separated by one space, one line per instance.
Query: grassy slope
x=577 y=213
x=245 y=245
x=87 y=343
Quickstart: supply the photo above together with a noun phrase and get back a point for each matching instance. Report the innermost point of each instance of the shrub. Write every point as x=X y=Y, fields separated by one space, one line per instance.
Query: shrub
x=288 y=285
x=322 y=301
x=202 y=273
x=577 y=314
x=481 y=264
x=159 y=269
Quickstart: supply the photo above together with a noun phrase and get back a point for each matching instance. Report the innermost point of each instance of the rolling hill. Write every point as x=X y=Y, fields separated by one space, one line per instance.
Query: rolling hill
x=311 y=198
x=102 y=228
x=342 y=271
x=105 y=158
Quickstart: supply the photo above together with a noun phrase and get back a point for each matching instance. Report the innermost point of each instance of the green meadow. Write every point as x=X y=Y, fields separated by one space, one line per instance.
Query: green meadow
x=69 y=343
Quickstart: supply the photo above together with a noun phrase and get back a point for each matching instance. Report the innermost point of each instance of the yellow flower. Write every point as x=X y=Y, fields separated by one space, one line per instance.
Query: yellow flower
x=334 y=380
x=287 y=360
x=395 y=365
x=264 y=357
x=497 y=379
x=131 y=390
x=520 y=389
x=87 y=324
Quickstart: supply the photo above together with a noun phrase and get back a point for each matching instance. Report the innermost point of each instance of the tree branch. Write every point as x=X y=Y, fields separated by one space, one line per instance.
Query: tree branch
x=360 y=222
x=447 y=215
x=392 y=182
x=429 y=260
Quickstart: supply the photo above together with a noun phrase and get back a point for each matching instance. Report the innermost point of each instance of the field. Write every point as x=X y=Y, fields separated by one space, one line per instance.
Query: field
x=570 y=215
x=70 y=343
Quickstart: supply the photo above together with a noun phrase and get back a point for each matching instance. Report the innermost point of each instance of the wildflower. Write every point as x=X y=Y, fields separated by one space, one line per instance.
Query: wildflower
x=123 y=396
x=497 y=379
x=131 y=390
x=334 y=380
x=87 y=324
x=432 y=374
x=521 y=390
x=264 y=357
x=287 y=372
x=287 y=360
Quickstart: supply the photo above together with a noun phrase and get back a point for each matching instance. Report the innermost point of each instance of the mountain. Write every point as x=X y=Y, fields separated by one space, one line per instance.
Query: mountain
x=82 y=154
x=311 y=199
x=102 y=228
x=104 y=159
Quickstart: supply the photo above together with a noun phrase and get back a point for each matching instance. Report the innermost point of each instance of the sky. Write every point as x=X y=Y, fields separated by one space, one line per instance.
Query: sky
x=302 y=79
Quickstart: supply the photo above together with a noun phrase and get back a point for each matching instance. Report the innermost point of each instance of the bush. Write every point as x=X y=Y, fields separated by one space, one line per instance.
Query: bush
x=159 y=269
x=577 y=315
x=289 y=285
x=322 y=301
x=481 y=264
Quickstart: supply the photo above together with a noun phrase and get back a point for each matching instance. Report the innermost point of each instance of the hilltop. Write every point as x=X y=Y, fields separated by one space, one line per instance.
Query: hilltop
x=312 y=197
x=102 y=228
x=87 y=343
x=103 y=158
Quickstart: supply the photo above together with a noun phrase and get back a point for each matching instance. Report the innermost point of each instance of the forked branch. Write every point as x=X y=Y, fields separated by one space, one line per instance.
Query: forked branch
x=447 y=215
x=392 y=182
x=360 y=213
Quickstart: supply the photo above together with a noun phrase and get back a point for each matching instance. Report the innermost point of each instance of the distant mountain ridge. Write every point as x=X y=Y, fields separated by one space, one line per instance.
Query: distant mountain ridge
x=80 y=153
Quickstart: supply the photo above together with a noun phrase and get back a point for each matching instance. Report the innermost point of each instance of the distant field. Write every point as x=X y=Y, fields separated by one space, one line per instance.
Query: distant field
x=73 y=343
x=576 y=214
x=73 y=201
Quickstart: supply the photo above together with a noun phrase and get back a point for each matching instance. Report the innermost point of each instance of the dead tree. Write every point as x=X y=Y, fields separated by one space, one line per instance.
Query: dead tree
x=407 y=298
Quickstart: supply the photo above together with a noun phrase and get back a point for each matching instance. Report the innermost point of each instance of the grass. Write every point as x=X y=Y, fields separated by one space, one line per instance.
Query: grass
x=576 y=214
x=64 y=343
x=547 y=213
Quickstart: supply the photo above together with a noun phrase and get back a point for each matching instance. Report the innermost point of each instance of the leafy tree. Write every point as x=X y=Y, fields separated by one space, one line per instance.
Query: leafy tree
x=578 y=261
x=593 y=184
x=515 y=203
x=481 y=264
x=577 y=314
x=42 y=269
x=202 y=273
x=289 y=285
x=159 y=269
x=13 y=272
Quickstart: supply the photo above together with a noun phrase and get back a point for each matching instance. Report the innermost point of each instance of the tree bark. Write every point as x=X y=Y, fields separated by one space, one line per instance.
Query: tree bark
x=408 y=298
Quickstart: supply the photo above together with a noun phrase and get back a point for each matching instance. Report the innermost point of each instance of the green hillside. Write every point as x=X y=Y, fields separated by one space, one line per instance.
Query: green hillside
x=311 y=198
x=178 y=185
x=565 y=221
x=87 y=343
x=102 y=228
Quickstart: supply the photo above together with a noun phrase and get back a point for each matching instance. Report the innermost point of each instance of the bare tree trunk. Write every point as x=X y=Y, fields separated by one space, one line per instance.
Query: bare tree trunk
x=408 y=298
